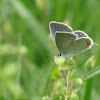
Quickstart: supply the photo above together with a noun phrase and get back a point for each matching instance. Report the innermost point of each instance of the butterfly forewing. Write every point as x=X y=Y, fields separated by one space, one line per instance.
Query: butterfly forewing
x=56 y=26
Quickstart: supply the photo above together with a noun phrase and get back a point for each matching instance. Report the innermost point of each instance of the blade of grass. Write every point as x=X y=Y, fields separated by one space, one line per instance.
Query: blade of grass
x=19 y=66
x=39 y=32
x=92 y=73
x=88 y=89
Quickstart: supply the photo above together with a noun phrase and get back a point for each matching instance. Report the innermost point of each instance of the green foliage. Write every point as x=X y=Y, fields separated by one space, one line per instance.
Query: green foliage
x=73 y=74
x=74 y=96
x=60 y=87
x=45 y=98
x=92 y=73
x=59 y=61
x=27 y=50
x=79 y=81
x=66 y=85
x=55 y=74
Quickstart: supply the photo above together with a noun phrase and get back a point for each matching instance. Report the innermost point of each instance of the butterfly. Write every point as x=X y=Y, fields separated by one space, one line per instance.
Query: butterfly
x=69 y=42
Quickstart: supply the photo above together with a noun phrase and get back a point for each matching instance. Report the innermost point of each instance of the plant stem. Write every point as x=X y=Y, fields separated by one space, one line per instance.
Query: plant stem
x=67 y=88
x=47 y=86
x=84 y=75
x=71 y=86
x=53 y=91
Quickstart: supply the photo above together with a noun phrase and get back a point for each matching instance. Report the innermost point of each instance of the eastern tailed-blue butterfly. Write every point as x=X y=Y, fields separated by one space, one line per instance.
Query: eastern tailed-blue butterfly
x=67 y=41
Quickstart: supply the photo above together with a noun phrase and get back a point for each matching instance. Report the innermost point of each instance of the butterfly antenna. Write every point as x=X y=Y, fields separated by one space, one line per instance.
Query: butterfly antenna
x=95 y=44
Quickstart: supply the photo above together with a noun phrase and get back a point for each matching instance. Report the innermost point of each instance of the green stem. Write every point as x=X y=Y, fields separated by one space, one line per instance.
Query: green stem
x=47 y=86
x=68 y=82
x=84 y=75
x=67 y=88
x=53 y=91
x=71 y=86
x=88 y=89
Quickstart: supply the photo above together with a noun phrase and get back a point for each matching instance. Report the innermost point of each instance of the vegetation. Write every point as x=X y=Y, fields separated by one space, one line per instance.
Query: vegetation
x=27 y=49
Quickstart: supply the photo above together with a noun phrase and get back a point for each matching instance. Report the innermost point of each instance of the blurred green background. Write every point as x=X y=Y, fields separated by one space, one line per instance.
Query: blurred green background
x=27 y=49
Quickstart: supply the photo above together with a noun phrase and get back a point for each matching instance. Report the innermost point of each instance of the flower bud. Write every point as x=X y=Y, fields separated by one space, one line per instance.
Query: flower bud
x=59 y=60
x=69 y=94
x=23 y=50
x=79 y=81
x=74 y=96
x=46 y=98
x=64 y=90
x=71 y=62
x=59 y=86
x=90 y=63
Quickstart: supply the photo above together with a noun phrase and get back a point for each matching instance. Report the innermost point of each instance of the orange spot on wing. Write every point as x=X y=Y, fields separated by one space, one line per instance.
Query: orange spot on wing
x=88 y=44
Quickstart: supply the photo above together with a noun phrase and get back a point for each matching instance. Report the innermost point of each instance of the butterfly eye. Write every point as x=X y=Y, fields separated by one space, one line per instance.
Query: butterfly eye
x=59 y=54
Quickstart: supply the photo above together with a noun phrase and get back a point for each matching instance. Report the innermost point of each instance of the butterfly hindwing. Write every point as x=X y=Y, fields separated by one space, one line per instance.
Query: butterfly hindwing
x=69 y=44
x=80 y=34
x=63 y=40
x=79 y=45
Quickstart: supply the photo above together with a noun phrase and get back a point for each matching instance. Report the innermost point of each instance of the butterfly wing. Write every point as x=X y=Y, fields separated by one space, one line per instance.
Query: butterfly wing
x=57 y=26
x=69 y=44
x=79 y=45
x=80 y=34
x=63 y=40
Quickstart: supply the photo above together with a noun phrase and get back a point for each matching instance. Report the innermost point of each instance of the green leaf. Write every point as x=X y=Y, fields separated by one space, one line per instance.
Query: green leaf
x=72 y=75
x=55 y=73
x=92 y=73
